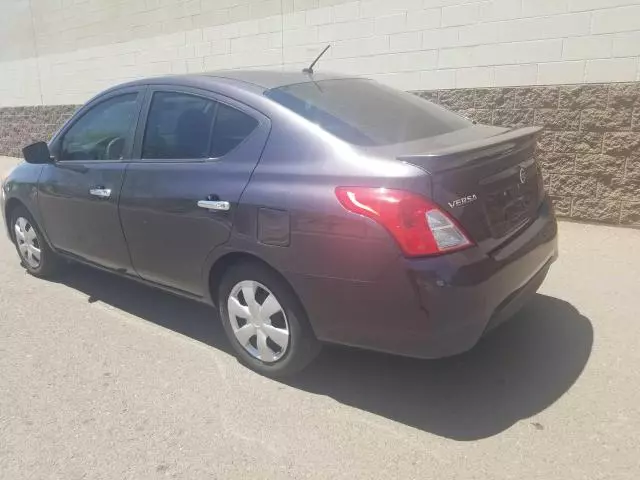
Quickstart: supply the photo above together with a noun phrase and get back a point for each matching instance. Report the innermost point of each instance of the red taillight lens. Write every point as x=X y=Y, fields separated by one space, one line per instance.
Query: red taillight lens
x=419 y=226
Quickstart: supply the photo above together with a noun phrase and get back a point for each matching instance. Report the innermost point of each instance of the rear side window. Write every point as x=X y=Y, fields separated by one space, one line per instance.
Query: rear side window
x=178 y=126
x=184 y=126
x=363 y=112
x=231 y=128
x=102 y=132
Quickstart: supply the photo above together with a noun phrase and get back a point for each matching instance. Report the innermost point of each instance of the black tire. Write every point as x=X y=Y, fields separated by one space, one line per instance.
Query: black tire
x=303 y=346
x=49 y=263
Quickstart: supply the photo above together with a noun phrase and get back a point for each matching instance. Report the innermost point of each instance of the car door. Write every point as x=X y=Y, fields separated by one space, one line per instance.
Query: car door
x=195 y=152
x=78 y=194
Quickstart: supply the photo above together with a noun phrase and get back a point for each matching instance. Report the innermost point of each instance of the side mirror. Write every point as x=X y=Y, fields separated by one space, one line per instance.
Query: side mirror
x=37 y=153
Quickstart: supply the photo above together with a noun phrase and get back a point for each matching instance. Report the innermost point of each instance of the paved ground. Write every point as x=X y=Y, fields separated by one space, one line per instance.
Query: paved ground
x=103 y=378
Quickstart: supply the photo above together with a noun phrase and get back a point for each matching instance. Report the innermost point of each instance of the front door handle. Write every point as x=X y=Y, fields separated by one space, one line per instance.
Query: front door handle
x=100 y=192
x=217 y=205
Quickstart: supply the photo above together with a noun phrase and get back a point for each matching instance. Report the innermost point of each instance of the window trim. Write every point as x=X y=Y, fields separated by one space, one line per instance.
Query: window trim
x=136 y=156
x=56 y=142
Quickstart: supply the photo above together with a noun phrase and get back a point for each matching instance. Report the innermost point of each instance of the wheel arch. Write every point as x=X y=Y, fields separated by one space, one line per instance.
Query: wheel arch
x=15 y=202
x=11 y=205
x=226 y=261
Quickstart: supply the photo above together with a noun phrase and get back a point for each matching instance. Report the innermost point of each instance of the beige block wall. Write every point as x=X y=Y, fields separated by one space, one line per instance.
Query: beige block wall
x=64 y=51
x=16 y=31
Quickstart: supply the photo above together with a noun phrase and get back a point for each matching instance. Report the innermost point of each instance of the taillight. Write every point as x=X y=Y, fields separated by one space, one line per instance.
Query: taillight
x=419 y=226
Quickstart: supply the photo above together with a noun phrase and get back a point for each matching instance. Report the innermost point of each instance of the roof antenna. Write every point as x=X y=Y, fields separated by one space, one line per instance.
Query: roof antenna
x=310 y=69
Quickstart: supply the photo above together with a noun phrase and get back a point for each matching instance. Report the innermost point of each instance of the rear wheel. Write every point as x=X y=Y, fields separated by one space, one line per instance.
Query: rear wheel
x=36 y=256
x=265 y=322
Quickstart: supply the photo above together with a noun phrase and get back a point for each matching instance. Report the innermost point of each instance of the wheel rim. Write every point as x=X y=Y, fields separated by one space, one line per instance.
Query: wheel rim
x=28 y=243
x=258 y=321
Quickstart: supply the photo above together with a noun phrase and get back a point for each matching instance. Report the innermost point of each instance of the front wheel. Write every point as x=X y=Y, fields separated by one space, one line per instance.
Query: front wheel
x=265 y=322
x=36 y=256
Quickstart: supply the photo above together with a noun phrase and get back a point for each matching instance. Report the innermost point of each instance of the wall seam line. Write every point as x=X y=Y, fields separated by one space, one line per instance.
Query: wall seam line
x=282 y=34
x=37 y=53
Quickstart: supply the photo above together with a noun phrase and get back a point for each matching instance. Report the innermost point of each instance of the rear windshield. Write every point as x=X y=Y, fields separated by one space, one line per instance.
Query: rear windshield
x=366 y=113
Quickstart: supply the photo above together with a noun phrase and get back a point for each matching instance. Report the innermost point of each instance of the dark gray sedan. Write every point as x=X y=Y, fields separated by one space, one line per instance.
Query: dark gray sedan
x=308 y=208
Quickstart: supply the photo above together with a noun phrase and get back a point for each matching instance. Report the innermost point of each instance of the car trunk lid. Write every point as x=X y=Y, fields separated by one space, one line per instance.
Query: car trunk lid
x=485 y=178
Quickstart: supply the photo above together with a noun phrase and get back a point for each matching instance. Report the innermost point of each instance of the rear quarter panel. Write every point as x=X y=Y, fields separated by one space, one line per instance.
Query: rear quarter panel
x=298 y=173
x=334 y=259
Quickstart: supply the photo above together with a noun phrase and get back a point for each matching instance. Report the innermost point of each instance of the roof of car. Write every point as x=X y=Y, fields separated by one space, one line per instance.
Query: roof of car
x=273 y=78
x=243 y=79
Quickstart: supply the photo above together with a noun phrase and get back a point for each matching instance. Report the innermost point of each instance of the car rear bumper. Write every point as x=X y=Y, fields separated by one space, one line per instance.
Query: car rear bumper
x=435 y=307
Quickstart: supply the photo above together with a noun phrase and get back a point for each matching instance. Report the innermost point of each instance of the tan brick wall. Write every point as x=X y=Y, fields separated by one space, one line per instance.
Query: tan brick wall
x=590 y=148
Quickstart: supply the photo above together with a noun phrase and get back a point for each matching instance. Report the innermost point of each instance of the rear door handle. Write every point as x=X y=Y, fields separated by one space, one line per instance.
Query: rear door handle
x=100 y=192
x=217 y=205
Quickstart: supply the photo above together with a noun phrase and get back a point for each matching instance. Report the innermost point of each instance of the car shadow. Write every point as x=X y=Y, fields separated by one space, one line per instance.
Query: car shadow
x=187 y=317
x=517 y=371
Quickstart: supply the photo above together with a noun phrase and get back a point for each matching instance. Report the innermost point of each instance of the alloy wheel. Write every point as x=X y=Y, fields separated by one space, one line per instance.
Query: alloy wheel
x=258 y=321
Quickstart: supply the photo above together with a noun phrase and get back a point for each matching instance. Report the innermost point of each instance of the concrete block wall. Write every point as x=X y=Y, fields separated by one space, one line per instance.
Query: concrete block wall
x=62 y=52
x=589 y=151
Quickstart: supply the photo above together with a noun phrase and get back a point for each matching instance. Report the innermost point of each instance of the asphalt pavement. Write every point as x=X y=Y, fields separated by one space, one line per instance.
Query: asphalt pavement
x=103 y=378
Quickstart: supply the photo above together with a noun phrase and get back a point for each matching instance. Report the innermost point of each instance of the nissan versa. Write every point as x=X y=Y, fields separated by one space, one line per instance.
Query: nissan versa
x=308 y=208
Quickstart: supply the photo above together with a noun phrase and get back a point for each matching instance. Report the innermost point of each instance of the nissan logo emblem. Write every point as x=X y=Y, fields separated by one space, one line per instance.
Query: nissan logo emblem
x=523 y=175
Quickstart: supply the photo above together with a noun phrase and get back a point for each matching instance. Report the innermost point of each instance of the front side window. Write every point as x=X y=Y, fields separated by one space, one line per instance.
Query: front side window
x=366 y=113
x=184 y=126
x=102 y=132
